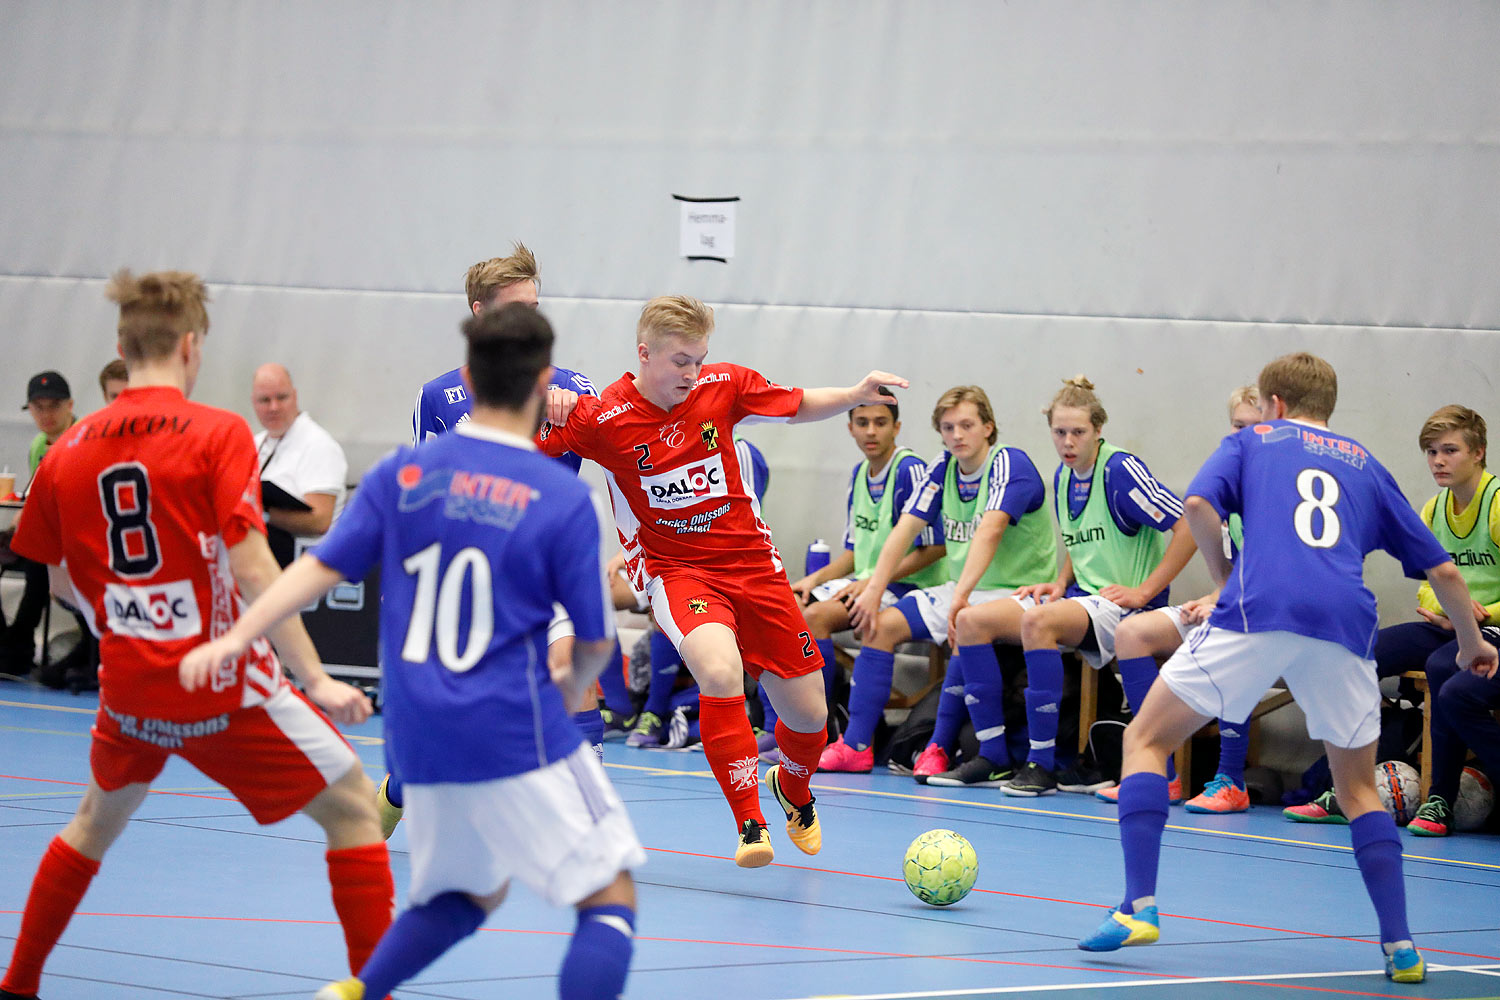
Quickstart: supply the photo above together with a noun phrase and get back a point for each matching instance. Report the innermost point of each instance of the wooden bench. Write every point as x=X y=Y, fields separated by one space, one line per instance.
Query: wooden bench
x=1419 y=681
x=937 y=666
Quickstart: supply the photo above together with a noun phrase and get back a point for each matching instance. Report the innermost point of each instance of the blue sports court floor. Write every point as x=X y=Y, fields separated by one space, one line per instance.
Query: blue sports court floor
x=196 y=900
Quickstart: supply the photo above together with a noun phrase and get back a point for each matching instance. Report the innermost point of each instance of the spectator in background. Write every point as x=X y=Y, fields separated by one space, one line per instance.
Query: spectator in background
x=112 y=380
x=50 y=403
x=299 y=457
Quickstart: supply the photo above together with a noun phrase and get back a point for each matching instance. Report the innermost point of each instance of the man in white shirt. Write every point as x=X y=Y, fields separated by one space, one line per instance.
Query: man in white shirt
x=297 y=455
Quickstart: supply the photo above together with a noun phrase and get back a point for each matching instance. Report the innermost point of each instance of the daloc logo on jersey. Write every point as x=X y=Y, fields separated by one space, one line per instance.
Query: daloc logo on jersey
x=686 y=485
x=161 y=612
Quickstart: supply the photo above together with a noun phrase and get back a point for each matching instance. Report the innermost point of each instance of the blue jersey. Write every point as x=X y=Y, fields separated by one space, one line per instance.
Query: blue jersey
x=1313 y=504
x=754 y=472
x=906 y=478
x=443 y=404
x=1015 y=487
x=478 y=534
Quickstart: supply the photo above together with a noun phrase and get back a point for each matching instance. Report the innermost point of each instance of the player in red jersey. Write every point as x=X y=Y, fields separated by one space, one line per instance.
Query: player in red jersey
x=695 y=544
x=151 y=507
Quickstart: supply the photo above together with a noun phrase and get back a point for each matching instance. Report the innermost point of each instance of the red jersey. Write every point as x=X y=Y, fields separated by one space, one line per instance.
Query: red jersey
x=143 y=500
x=674 y=480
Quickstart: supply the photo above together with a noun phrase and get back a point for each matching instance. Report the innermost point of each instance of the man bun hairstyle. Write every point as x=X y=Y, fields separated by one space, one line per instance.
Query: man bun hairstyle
x=1078 y=392
x=156 y=309
x=508 y=348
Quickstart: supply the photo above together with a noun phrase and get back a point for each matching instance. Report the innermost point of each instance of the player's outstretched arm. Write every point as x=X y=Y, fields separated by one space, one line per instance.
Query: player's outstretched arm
x=820 y=404
x=1453 y=593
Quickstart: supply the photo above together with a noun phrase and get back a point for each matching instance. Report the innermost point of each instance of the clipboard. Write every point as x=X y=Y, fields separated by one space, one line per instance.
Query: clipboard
x=273 y=497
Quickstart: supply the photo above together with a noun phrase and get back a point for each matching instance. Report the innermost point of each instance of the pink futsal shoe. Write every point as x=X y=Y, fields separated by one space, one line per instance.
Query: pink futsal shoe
x=840 y=756
x=1221 y=796
x=932 y=760
x=1112 y=793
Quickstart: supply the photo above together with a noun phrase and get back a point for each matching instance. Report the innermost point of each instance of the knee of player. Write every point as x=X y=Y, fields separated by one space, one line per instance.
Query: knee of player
x=890 y=629
x=349 y=800
x=1133 y=638
x=825 y=618
x=1036 y=627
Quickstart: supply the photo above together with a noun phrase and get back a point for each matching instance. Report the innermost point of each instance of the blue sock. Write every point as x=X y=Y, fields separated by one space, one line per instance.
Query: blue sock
x=951 y=709
x=1377 y=850
x=664 y=666
x=768 y=724
x=1234 y=743
x=598 y=958
x=984 y=694
x=1143 y=816
x=873 y=669
x=591 y=724
x=612 y=683
x=393 y=792
x=1044 y=681
x=417 y=938
x=1137 y=674
x=830 y=665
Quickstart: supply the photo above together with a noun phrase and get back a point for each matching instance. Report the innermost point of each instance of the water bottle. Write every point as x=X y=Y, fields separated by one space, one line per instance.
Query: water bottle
x=817 y=557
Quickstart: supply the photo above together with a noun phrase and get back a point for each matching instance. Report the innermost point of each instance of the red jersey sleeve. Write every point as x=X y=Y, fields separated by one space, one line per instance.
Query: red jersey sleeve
x=758 y=396
x=237 y=486
x=38 y=532
x=572 y=436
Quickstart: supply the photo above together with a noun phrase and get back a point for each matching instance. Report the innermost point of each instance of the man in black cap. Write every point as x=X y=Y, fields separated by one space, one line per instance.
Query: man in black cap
x=50 y=403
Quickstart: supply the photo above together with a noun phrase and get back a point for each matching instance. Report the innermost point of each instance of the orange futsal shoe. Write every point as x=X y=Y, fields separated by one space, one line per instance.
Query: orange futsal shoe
x=801 y=821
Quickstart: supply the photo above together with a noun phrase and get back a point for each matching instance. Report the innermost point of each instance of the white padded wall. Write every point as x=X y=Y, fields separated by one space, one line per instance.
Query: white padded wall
x=961 y=192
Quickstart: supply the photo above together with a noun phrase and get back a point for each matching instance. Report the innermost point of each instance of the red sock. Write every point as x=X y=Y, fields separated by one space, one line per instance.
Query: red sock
x=729 y=746
x=61 y=880
x=363 y=895
x=799 y=760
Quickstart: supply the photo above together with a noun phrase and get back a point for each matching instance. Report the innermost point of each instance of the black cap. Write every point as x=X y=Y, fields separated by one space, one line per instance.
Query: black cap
x=47 y=385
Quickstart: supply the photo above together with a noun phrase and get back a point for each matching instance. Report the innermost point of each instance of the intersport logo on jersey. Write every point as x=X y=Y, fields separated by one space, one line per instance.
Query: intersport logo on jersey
x=687 y=484
x=161 y=612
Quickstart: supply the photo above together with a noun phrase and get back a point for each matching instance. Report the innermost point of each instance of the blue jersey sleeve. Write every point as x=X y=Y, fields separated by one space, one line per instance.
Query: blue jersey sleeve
x=424 y=422
x=1015 y=485
x=353 y=545
x=754 y=472
x=567 y=378
x=1136 y=499
x=1402 y=532
x=578 y=577
x=908 y=478
x=1218 y=481
x=927 y=501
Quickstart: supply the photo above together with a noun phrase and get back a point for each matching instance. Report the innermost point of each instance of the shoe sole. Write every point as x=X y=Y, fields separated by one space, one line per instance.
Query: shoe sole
x=1088 y=789
x=754 y=855
x=1027 y=793
x=934 y=779
x=1210 y=810
x=1328 y=820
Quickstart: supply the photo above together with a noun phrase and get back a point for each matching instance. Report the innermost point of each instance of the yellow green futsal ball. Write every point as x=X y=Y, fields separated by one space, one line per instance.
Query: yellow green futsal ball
x=940 y=867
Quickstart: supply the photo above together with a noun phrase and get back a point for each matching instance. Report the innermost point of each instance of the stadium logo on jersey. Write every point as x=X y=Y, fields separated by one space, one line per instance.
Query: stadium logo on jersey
x=744 y=773
x=672 y=435
x=162 y=612
x=1072 y=538
x=711 y=378
x=612 y=412
x=686 y=485
x=1472 y=558
x=455 y=394
x=959 y=531
x=698 y=605
x=710 y=434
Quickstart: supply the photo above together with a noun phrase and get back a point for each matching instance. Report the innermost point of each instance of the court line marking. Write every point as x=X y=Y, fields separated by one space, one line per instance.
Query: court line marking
x=1272 y=980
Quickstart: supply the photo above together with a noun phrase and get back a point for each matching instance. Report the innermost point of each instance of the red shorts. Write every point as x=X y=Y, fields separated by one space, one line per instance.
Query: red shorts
x=275 y=758
x=758 y=606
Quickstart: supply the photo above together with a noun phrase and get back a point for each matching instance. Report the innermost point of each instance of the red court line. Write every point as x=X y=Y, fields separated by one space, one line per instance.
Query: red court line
x=85 y=784
x=1076 y=902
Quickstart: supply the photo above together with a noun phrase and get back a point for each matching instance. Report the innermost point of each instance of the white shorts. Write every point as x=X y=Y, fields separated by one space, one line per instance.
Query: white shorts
x=561 y=830
x=1175 y=614
x=825 y=591
x=1105 y=616
x=561 y=626
x=1222 y=674
x=933 y=603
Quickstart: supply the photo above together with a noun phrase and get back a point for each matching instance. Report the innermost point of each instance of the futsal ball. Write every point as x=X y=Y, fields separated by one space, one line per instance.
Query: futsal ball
x=940 y=867
x=1476 y=797
x=1399 y=786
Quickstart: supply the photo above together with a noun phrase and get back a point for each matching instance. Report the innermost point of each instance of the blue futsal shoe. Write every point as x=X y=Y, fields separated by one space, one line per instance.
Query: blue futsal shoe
x=1121 y=929
x=1405 y=966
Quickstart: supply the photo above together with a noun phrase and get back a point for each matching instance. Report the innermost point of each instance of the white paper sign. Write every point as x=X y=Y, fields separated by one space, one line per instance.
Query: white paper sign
x=707 y=229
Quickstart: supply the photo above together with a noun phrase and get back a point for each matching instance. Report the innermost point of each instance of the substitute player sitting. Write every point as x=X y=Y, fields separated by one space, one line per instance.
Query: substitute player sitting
x=480 y=535
x=1142 y=638
x=154 y=505
x=695 y=542
x=991 y=501
x=1113 y=515
x=879 y=489
x=1314 y=504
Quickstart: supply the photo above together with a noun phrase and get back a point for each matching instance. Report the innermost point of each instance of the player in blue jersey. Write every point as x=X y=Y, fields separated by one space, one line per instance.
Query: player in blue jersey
x=480 y=535
x=1114 y=517
x=1142 y=638
x=1292 y=605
